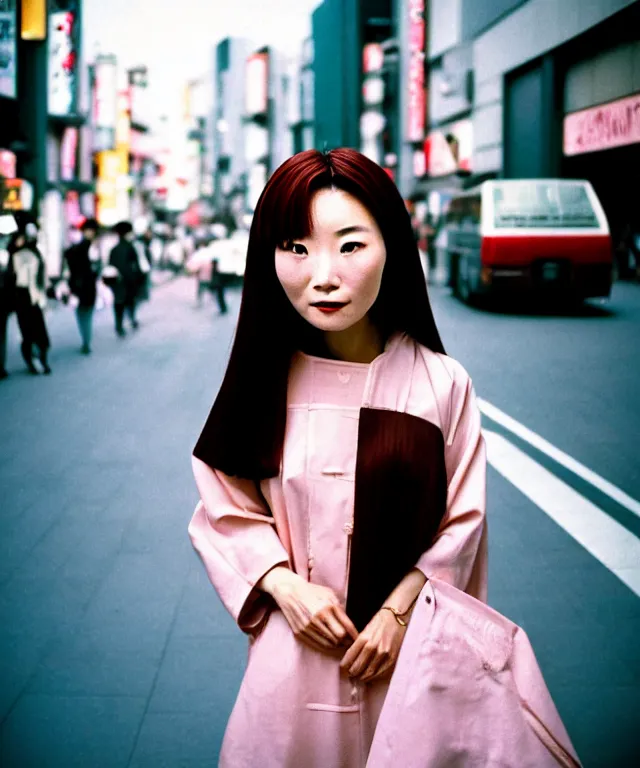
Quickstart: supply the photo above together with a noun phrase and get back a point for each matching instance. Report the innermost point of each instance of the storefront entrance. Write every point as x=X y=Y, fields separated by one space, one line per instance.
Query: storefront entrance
x=615 y=175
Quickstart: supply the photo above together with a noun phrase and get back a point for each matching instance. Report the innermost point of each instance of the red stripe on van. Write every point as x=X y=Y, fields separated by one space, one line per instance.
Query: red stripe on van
x=523 y=249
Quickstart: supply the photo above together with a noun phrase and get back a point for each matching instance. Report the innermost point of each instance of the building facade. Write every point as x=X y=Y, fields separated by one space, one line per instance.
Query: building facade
x=533 y=88
x=229 y=166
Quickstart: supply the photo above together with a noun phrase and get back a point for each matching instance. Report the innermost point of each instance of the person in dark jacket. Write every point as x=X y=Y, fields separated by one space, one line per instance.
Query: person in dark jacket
x=124 y=258
x=85 y=266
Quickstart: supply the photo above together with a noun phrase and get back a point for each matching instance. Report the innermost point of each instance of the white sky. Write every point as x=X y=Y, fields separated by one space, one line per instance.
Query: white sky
x=175 y=38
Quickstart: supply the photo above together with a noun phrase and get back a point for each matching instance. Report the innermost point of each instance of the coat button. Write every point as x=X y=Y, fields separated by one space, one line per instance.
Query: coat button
x=344 y=377
x=428 y=599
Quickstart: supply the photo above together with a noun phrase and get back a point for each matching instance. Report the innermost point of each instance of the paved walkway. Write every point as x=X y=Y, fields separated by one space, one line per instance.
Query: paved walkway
x=107 y=622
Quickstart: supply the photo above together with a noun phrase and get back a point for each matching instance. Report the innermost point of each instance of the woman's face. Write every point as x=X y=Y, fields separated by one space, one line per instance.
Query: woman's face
x=333 y=277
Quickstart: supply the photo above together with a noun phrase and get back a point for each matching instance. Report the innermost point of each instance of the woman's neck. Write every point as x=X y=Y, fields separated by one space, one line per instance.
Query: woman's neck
x=361 y=343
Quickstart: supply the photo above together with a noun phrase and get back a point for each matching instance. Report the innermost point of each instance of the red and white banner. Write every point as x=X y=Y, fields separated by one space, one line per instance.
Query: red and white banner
x=416 y=117
x=257 y=84
x=616 y=124
x=372 y=57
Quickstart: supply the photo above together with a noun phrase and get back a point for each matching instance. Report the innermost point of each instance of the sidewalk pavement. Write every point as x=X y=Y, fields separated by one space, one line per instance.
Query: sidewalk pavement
x=114 y=649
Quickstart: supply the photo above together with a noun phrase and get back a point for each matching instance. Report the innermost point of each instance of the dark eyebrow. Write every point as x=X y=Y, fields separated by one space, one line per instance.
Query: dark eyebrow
x=349 y=230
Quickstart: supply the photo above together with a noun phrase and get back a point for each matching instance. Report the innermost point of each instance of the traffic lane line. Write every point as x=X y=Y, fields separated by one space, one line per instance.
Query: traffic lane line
x=604 y=538
x=573 y=465
x=619 y=513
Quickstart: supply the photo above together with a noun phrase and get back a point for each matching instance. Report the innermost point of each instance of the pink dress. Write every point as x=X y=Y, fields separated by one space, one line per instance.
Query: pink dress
x=295 y=707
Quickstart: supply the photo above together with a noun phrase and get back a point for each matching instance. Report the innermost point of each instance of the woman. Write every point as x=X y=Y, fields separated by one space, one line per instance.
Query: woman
x=30 y=296
x=341 y=466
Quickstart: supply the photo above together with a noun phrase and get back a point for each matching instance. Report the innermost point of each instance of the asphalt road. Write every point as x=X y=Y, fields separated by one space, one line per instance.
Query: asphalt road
x=114 y=649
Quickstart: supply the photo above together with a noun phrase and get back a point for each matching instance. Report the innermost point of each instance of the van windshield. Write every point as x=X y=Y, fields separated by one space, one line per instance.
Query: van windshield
x=533 y=204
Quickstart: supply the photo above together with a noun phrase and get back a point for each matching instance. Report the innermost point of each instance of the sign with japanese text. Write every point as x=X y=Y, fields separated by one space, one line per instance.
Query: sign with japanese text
x=416 y=116
x=616 y=124
x=62 y=63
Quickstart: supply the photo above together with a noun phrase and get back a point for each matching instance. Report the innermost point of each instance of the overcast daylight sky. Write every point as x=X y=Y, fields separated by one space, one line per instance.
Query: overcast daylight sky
x=175 y=38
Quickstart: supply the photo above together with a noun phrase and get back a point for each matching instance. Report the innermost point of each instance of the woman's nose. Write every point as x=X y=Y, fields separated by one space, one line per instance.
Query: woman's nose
x=325 y=274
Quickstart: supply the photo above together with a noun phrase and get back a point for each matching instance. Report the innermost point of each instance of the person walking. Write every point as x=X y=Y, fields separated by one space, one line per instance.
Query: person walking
x=29 y=268
x=7 y=291
x=124 y=257
x=84 y=265
x=218 y=286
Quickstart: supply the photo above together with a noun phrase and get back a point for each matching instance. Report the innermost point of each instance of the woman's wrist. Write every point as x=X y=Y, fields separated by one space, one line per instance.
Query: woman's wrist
x=277 y=577
x=403 y=598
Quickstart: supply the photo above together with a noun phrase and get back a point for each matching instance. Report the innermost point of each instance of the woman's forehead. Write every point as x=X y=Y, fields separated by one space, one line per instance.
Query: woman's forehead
x=333 y=211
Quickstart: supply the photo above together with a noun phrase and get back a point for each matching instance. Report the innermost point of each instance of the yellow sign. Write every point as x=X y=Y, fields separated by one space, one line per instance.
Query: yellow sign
x=15 y=195
x=34 y=20
x=108 y=172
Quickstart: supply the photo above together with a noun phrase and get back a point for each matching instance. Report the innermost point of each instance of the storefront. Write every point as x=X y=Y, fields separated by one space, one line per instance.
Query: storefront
x=601 y=124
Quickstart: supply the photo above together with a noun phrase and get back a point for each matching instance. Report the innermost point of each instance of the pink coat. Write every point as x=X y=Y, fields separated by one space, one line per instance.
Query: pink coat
x=295 y=707
x=467 y=691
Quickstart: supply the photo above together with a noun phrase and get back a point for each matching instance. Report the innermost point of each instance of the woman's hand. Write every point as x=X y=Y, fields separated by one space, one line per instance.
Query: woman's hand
x=376 y=649
x=312 y=611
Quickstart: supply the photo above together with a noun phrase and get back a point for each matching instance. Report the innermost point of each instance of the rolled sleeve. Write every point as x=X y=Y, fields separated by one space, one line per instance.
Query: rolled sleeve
x=234 y=534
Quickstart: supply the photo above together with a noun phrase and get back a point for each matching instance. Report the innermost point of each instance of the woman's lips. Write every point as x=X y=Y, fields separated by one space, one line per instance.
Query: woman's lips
x=329 y=306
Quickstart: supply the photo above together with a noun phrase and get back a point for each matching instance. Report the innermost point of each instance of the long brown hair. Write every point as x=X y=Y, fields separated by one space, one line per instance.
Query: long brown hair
x=244 y=433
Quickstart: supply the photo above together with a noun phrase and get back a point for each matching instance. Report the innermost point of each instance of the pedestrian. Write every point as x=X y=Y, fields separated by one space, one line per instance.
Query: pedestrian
x=7 y=297
x=85 y=266
x=124 y=257
x=217 y=285
x=145 y=262
x=27 y=264
x=200 y=265
x=342 y=464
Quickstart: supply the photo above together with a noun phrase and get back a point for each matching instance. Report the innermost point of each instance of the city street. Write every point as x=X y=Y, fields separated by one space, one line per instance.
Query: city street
x=114 y=648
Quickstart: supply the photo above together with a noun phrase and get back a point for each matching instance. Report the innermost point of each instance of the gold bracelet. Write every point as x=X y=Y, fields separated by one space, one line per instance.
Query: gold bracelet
x=398 y=614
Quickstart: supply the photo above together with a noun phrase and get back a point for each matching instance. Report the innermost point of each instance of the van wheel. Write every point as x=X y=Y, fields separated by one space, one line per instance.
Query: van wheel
x=462 y=285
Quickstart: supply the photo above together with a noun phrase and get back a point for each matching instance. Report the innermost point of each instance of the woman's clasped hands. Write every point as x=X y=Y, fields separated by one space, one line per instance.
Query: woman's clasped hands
x=317 y=619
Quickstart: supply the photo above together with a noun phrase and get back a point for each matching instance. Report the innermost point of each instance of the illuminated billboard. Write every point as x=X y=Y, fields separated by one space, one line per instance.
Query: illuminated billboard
x=63 y=63
x=105 y=102
x=8 y=49
x=257 y=84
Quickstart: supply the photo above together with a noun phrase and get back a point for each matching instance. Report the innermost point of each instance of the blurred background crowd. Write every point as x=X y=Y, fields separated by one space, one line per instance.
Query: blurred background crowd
x=105 y=122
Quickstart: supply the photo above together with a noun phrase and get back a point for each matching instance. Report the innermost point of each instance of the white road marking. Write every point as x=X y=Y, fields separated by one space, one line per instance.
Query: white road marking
x=611 y=490
x=602 y=536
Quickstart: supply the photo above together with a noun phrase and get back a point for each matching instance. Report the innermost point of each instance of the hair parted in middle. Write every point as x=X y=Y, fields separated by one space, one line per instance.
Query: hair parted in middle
x=244 y=433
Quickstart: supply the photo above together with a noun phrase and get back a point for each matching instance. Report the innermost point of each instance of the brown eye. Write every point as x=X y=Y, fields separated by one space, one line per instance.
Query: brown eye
x=351 y=247
x=298 y=249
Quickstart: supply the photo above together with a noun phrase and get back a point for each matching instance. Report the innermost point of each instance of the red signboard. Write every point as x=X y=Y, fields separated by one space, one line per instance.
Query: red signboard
x=7 y=164
x=416 y=102
x=372 y=57
x=610 y=125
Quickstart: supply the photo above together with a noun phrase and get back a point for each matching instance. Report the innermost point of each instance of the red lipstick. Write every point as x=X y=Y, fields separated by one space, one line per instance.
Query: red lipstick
x=329 y=306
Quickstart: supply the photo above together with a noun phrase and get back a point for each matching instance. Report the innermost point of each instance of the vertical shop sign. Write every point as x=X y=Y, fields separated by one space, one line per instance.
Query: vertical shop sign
x=62 y=63
x=104 y=102
x=416 y=97
x=68 y=153
x=8 y=51
x=257 y=84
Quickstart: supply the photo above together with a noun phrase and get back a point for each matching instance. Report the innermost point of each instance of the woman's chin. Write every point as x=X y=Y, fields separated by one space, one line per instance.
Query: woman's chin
x=329 y=323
